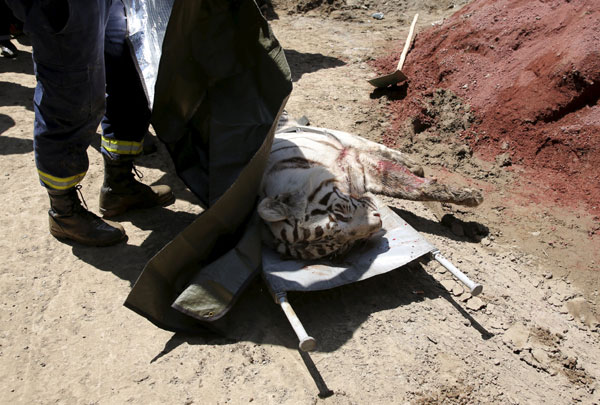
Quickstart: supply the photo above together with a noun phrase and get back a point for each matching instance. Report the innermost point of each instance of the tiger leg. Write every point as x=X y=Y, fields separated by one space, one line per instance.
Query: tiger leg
x=396 y=180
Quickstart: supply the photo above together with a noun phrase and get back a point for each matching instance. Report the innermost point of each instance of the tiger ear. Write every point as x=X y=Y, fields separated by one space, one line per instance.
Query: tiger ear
x=273 y=209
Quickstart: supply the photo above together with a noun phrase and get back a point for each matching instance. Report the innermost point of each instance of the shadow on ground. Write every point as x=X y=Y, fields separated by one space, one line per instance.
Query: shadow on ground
x=21 y=64
x=330 y=316
x=15 y=94
x=12 y=94
x=301 y=63
x=14 y=146
x=449 y=227
x=127 y=261
x=393 y=92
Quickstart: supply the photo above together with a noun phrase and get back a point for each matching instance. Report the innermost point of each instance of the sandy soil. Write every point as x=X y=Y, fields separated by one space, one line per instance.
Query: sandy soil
x=411 y=336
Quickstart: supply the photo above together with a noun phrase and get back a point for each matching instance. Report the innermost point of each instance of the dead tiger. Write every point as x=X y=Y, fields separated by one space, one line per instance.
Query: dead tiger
x=317 y=190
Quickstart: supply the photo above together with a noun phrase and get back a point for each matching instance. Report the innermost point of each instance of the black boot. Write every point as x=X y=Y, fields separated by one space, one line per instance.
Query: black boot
x=70 y=220
x=122 y=192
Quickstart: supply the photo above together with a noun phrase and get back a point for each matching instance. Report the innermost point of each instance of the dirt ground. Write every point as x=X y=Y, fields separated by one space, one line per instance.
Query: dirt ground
x=411 y=336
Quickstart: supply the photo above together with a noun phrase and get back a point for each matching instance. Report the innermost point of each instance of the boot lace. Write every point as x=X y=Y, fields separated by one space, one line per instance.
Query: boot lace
x=137 y=172
x=80 y=206
x=79 y=196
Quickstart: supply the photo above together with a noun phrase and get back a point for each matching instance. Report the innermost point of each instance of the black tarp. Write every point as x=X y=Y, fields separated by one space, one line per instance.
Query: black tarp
x=222 y=82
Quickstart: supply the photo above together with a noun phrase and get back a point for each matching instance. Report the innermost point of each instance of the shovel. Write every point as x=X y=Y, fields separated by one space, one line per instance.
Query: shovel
x=397 y=76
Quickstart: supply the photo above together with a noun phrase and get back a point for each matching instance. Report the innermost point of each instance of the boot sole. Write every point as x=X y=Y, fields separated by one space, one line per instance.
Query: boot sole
x=113 y=212
x=63 y=237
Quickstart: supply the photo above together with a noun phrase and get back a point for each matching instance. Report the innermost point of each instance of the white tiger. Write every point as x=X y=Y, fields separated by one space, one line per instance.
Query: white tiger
x=317 y=191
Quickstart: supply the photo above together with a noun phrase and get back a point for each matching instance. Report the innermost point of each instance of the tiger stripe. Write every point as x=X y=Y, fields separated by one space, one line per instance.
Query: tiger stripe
x=324 y=183
x=292 y=163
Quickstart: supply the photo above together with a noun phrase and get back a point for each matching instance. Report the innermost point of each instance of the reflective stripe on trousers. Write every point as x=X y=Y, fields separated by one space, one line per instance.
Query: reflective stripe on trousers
x=58 y=183
x=122 y=147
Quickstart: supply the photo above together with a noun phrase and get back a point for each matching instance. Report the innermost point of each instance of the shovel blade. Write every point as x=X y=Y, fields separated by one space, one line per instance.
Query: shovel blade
x=388 y=80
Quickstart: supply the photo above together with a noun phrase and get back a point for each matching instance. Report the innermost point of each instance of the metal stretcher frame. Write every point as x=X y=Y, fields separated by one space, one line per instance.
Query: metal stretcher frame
x=397 y=244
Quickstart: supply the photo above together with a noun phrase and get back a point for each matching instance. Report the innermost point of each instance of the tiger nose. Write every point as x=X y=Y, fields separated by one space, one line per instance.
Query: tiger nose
x=377 y=219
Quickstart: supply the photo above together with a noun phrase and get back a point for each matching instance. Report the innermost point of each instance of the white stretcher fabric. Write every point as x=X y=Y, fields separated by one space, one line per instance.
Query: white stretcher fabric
x=396 y=245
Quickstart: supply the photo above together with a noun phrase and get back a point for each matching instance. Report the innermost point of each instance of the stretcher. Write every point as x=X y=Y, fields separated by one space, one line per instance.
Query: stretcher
x=396 y=245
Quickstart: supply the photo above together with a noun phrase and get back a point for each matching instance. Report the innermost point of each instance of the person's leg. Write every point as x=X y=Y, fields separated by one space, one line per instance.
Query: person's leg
x=124 y=125
x=127 y=114
x=67 y=38
x=126 y=96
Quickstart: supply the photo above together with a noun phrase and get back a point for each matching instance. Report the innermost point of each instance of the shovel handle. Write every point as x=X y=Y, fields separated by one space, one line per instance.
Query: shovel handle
x=408 y=42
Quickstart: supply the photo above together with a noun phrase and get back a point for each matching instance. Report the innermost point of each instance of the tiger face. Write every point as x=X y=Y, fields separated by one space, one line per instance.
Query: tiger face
x=324 y=222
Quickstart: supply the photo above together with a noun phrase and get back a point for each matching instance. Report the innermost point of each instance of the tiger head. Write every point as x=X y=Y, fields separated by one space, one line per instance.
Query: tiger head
x=324 y=222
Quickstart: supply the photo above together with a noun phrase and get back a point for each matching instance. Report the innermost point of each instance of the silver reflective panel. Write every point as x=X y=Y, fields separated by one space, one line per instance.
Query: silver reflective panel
x=146 y=23
x=397 y=245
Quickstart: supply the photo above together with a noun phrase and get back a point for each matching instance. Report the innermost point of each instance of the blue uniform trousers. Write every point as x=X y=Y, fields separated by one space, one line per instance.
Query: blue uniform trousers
x=85 y=75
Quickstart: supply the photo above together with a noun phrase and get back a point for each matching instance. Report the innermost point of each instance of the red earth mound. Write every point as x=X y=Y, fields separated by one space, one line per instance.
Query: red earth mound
x=530 y=70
